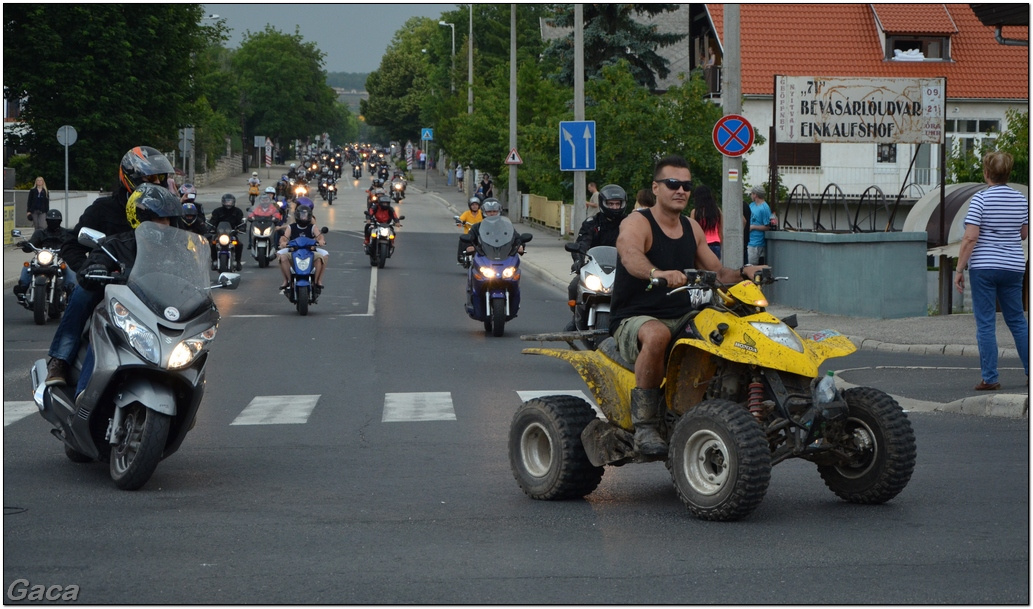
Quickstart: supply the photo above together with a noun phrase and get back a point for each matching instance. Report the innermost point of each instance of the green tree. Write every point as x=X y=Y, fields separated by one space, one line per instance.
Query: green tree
x=611 y=33
x=121 y=74
x=399 y=88
x=282 y=87
x=1015 y=141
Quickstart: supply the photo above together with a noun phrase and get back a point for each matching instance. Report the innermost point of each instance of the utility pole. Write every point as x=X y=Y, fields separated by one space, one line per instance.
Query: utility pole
x=513 y=193
x=731 y=102
x=579 y=110
x=469 y=68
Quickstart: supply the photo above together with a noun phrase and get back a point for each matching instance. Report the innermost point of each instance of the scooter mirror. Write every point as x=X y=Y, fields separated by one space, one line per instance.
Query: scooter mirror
x=90 y=237
x=324 y=230
x=526 y=237
x=571 y=247
x=401 y=217
x=15 y=232
x=468 y=239
x=229 y=281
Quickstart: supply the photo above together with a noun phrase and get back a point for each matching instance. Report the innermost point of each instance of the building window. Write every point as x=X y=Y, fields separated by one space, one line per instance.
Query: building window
x=931 y=47
x=966 y=136
x=886 y=153
x=798 y=155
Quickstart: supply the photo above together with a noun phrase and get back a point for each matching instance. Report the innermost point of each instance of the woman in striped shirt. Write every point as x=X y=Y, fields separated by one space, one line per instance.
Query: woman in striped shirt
x=995 y=226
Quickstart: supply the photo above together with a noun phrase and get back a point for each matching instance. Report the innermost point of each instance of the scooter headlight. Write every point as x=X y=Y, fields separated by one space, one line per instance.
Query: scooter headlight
x=509 y=272
x=303 y=264
x=262 y=232
x=779 y=333
x=140 y=337
x=188 y=350
x=593 y=283
x=487 y=272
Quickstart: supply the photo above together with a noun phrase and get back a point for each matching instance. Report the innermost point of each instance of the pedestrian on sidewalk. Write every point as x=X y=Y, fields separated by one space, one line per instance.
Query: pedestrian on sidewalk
x=996 y=225
x=592 y=204
x=459 y=176
x=39 y=204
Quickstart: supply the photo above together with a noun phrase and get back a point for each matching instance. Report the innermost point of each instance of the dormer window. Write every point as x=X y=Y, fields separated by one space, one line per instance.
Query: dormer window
x=920 y=48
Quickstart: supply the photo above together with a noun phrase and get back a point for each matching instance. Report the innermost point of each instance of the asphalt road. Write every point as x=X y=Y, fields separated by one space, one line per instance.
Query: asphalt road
x=394 y=486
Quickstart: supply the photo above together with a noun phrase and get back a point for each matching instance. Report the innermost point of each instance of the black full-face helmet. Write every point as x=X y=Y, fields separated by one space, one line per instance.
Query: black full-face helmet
x=53 y=218
x=228 y=200
x=613 y=202
x=151 y=201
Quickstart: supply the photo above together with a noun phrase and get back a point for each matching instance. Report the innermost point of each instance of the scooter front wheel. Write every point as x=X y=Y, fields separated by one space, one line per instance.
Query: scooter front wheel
x=136 y=456
x=498 y=317
x=302 y=303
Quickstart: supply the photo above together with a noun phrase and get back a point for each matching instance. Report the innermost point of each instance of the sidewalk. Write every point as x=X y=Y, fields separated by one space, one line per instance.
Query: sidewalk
x=941 y=335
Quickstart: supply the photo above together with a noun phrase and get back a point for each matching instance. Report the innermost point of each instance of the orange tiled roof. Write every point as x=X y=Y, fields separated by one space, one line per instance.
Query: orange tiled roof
x=914 y=18
x=843 y=40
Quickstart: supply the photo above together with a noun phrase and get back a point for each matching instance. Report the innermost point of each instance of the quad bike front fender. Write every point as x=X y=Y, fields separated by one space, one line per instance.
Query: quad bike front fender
x=609 y=382
x=743 y=343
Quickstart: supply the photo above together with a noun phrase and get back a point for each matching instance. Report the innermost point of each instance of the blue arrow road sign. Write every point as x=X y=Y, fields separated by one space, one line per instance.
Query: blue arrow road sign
x=577 y=146
x=427 y=134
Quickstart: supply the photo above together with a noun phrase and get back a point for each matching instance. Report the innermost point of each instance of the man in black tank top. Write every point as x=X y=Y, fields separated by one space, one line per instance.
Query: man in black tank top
x=658 y=242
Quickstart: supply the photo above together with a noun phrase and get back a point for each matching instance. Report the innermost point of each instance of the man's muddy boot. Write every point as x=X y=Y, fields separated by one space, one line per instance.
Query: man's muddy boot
x=645 y=416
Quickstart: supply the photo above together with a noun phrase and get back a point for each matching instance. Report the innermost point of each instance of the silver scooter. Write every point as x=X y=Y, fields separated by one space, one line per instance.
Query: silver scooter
x=150 y=338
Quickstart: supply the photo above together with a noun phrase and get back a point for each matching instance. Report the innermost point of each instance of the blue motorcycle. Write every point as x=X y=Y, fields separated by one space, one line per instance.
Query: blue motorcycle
x=302 y=287
x=493 y=281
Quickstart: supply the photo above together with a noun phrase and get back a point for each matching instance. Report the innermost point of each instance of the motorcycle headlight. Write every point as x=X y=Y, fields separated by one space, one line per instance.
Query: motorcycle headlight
x=779 y=333
x=140 y=337
x=303 y=264
x=262 y=232
x=384 y=231
x=45 y=258
x=331 y=186
x=592 y=282
x=509 y=272
x=488 y=272
x=398 y=185
x=224 y=239
x=187 y=351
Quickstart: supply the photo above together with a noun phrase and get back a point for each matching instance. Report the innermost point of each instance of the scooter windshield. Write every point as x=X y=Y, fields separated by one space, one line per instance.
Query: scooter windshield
x=497 y=237
x=267 y=210
x=171 y=270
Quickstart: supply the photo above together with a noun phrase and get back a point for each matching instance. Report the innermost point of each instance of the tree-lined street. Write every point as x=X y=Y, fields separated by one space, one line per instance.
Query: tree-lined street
x=392 y=482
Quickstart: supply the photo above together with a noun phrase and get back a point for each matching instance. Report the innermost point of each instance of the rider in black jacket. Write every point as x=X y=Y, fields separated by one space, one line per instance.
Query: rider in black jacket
x=599 y=229
x=231 y=214
x=51 y=237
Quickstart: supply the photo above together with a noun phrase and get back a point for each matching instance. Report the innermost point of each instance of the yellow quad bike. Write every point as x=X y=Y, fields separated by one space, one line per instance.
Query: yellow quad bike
x=742 y=392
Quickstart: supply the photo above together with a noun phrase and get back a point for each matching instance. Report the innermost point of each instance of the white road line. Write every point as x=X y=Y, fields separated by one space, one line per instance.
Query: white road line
x=432 y=406
x=16 y=411
x=277 y=410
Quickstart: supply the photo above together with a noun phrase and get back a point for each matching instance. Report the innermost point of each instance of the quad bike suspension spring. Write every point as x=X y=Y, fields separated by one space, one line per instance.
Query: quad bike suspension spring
x=755 y=401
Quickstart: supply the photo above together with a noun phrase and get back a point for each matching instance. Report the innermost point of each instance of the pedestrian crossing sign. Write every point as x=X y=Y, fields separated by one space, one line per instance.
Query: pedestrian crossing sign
x=514 y=158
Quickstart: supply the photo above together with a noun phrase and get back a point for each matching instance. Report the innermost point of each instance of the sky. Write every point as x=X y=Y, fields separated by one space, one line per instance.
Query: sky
x=353 y=37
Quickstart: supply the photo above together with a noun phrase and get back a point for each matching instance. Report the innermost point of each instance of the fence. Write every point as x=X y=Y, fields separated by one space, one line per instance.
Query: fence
x=550 y=214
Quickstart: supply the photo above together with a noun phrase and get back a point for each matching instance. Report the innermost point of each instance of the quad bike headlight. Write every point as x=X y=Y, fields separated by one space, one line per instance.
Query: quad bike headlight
x=187 y=351
x=140 y=337
x=779 y=333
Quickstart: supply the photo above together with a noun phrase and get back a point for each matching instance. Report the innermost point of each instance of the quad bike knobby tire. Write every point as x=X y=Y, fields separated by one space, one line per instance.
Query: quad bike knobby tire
x=880 y=437
x=720 y=460
x=545 y=450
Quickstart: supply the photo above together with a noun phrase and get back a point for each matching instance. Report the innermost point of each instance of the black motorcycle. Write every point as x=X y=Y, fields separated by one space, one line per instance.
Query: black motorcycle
x=47 y=294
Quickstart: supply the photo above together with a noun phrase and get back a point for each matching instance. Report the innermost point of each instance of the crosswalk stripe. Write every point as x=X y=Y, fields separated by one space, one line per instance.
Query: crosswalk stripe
x=432 y=406
x=277 y=410
x=16 y=411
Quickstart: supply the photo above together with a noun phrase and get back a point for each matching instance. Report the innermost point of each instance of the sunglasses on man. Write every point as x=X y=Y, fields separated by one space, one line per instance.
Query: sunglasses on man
x=673 y=184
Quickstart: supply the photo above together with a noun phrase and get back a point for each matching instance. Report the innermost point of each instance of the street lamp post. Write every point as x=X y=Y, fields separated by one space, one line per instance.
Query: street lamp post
x=451 y=76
